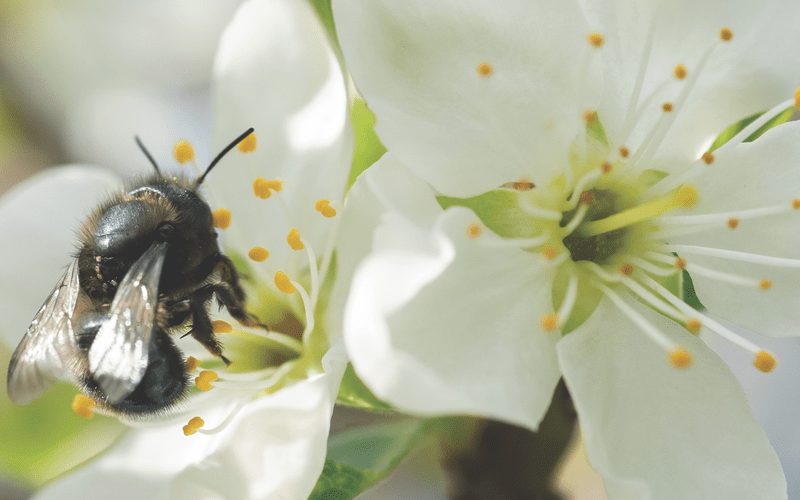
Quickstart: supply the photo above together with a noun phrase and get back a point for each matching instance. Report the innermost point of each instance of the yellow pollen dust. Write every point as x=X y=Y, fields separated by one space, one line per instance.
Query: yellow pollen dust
x=586 y=198
x=473 y=231
x=283 y=283
x=733 y=223
x=680 y=72
x=204 y=379
x=708 y=157
x=222 y=218
x=596 y=39
x=624 y=152
x=219 y=326
x=765 y=362
x=192 y=426
x=484 y=69
x=725 y=34
x=796 y=204
x=606 y=167
x=550 y=253
x=248 y=144
x=183 y=151
x=258 y=254
x=83 y=406
x=324 y=207
x=293 y=238
x=549 y=322
x=626 y=269
x=693 y=325
x=680 y=357
x=680 y=263
x=667 y=107
x=192 y=363
x=765 y=284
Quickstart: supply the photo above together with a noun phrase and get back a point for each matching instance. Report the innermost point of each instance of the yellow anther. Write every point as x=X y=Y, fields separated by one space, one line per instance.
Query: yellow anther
x=248 y=144
x=586 y=198
x=549 y=322
x=725 y=34
x=680 y=263
x=624 y=152
x=733 y=223
x=606 y=167
x=258 y=254
x=523 y=184
x=222 y=218
x=693 y=325
x=765 y=284
x=680 y=357
x=183 y=151
x=192 y=426
x=219 y=326
x=680 y=72
x=83 y=406
x=283 y=283
x=797 y=98
x=765 y=361
x=796 y=204
x=474 y=231
x=328 y=212
x=550 y=253
x=261 y=188
x=708 y=157
x=589 y=116
x=596 y=39
x=626 y=269
x=324 y=207
x=484 y=69
x=294 y=239
x=204 y=379
x=192 y=363
x=686 y=197
x=667 y=107
x=319 y=204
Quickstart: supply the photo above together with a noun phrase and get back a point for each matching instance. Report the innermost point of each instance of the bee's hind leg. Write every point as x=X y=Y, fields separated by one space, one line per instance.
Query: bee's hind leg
x=202 y=330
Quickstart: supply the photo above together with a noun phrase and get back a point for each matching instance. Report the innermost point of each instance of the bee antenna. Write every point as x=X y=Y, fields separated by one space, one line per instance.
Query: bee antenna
x=223 y=153
x=147 y=154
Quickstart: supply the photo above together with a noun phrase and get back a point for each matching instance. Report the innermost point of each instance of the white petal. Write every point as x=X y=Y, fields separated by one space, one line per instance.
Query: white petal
x=416 y=64
x=657 y=432
x=40 y=219
x=275 y=448
x=275 y=71
x=438 y=323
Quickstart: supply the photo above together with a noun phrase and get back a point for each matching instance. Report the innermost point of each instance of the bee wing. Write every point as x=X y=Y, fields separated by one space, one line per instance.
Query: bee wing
x=49 y=347
x=118 y=356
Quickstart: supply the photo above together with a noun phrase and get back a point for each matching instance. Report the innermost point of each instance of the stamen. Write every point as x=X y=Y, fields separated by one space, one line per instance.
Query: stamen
x=523 y=184
x=283 y=283
x=640 y=321
x=680 y=72
x=324 y=207
x=526 y=206
x=708 y=157
x=631 y=114
x=549 y=322
x=261 y=188
x=518 y=242
x=796 y=204
x=219 y=326
x=204 y=379
x=725 y=34
x=680 y=358
x=474 y=231
x=624 y=152
x=294 y=239
x=484 y=70
x=222 y=218
x=183 y=151
x=258 y=254
x=626 y=269
x=193 y=426
x=248 y=144
x=755 y=125
x=765 y=284
x=192 y=363
x=733 y=223
x=650 y=267
x=606 y=167
x=550 y=252
x=719 y=218
x=734 y=255
x=83 y=406
x=584 y=183
x=576 y=220
x=797 y=98
x=222 y=425
x=693 y=325
x=666 y=107
x=595 y=39
x=764 y=362
x=734 y=279
x=570 y=297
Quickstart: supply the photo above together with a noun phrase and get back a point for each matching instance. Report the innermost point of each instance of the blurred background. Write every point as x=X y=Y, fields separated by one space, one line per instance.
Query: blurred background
x=80 y=78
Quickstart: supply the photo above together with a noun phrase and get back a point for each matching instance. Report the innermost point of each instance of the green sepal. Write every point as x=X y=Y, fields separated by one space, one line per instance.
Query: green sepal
x=737 y=127
x=499 y=211
x=368 y=148
x=353 y=392
x=595 y=130
x=688 y=294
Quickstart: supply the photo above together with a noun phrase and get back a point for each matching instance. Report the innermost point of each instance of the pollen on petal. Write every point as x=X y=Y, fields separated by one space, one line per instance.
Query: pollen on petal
x=586 y=198
x=680 y=72
x=595 y=39
x=733 y=223
x=693 y=325
x=680 y=263
x=194 y=424
x=606 y=167
x=222 y=218
x=626 y=269
x=83 y=406
x=293 y=238
x=484 y=69
x=192 y=363
x=667 y=107
x=725 y=34
x=258 y=254
x=549 y=322
x=680 y=358
x=687 y=197
x=474 y=231
x=765 y=362
x=283 y=283
x=204 y=379
x=796 y=204
x=765 y=284
x=708 y=157
x=624 y=152
x=219 y=326
x=248 y=144
x=183 y=151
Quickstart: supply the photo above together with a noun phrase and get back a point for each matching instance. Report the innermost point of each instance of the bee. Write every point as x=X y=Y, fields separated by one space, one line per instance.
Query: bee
x=148 y=263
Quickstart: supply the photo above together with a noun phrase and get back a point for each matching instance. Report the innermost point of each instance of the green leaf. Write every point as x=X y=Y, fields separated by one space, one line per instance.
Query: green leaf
x=737 y=127
x=499 y=211
x=353 y=392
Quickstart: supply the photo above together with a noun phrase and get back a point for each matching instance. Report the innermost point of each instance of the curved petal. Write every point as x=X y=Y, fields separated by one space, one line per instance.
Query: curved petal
x=469 y=94
x=276 y=72
x=657 y=432
x=440 y=323
x=275 y=448
x=39 y=221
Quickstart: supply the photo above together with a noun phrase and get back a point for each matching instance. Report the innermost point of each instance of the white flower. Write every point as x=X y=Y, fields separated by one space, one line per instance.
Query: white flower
x=276 y=72
x=578 y=134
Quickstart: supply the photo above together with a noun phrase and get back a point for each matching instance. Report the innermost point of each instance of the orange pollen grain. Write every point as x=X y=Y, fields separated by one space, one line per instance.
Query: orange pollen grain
x=549 y=322
x=606 y=167
x=626 y=269
x=680 y=72
x=248 y=144
x=484 y=69
x=733 y=223
x=725 y=34
x=192 y=363
x=586 y=198
x=258 y=254
x=219 y=326
x=183 y=151
x=667 y=107
x=596 y=39
x=708 y=157
x=474 y=231
x=765 y=284
x=204 y=379
x=283 y=283
x=83 y=406
x=550 y=253
x=194 y=424
x=693 y=325
x=765 y=362
x=293 y=239
x=624 y=152
x=680 y=358
x=680 y=263
x=796 y=204
x=222 y=218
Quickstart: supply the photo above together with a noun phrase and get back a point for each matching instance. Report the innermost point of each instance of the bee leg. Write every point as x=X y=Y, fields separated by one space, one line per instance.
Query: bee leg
x=202 y=331
x=229 y=276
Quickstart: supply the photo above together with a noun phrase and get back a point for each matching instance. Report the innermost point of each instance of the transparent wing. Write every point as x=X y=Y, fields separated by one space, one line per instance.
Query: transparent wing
x=119 y=354
x=49 y=347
